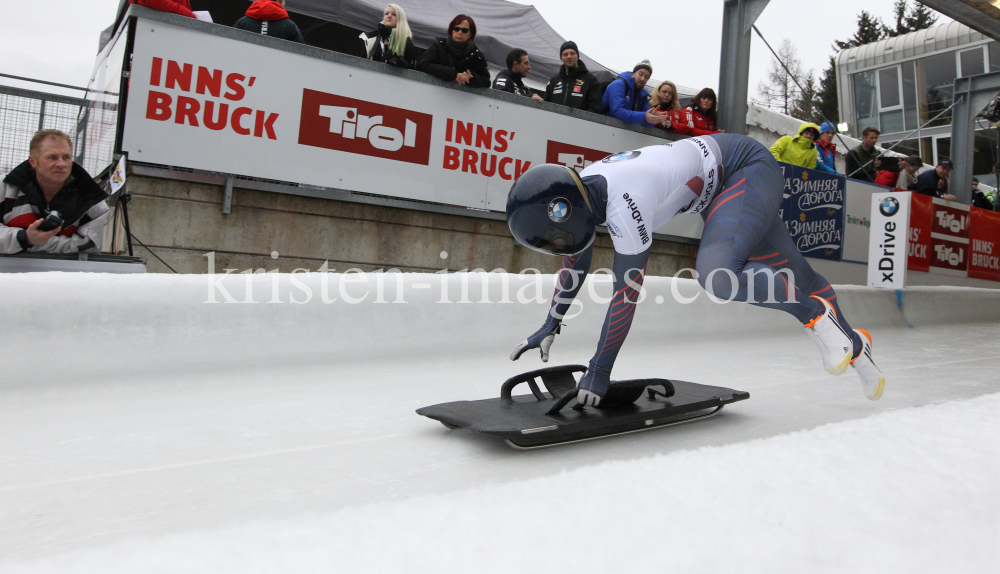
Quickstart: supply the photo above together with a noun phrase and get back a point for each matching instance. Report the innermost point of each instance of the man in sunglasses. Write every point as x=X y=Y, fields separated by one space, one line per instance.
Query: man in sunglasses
x=746 y=253
x=574 y=86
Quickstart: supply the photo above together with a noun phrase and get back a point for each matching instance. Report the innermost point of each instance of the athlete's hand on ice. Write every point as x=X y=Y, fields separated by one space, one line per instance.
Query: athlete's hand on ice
x=541 y=339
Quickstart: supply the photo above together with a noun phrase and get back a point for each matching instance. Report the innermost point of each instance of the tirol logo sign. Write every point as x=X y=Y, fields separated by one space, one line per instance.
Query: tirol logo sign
x=356 y=126
x=950 y=223
x=571 y=155
x=887 y=248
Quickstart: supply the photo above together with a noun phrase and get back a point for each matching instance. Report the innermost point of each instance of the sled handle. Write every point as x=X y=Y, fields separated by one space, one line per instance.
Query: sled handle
x=529 y=377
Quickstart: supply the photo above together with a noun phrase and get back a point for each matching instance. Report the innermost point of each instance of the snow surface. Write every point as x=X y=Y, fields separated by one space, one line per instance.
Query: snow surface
x=143 y=430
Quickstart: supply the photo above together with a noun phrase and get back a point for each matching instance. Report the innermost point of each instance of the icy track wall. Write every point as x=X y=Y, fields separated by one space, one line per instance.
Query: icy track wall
x=86 y=324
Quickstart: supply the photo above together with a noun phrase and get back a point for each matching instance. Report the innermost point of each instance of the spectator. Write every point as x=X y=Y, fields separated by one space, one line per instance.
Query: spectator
x=456 y=58
x=50 y=183
x=574 y=86
x=700 y=117
x=862 y=161
x=392 y=42
x=934 y=182
x=801 y=149
x=826 y=150
x=510 y=79
x=979 y=199
x=664 y=98
x=889 y=174
x=181 y=7
x=908 y=172
x=628 y=100
x=991 y=194
x=269 y=18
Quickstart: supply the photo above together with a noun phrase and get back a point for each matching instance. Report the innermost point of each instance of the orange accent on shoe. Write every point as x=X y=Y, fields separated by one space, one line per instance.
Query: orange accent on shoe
x=869 y=337
x=825 y=303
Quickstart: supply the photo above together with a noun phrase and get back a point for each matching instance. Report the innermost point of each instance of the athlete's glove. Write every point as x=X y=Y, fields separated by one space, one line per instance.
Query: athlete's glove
x=593 y=387
x=541 y=339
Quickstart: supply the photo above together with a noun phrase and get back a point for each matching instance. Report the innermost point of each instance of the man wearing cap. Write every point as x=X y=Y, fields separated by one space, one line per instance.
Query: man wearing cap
x=574 y=86
x=626 y=99
x=929 y=182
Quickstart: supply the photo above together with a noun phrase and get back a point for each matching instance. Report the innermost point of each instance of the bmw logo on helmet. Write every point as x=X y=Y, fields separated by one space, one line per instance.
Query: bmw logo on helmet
x=559 y=209
x=889 y=206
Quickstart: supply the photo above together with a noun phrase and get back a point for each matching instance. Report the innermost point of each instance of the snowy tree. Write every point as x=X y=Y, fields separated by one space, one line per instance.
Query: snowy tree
x=780 y=92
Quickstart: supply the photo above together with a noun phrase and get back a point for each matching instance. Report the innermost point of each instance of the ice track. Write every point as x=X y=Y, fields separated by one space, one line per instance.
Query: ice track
x=142 y=429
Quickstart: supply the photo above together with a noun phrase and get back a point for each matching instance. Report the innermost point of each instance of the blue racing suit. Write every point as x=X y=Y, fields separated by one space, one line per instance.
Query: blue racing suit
x=736 y=185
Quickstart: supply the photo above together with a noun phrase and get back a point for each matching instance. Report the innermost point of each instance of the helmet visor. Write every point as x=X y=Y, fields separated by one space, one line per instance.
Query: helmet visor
x=557 y=241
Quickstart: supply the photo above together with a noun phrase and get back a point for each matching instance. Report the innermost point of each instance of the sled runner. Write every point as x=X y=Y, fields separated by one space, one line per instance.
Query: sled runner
x=552 y=418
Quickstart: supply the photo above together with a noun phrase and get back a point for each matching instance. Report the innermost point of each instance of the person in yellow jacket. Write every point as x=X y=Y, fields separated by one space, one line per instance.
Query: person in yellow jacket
x=800 y=150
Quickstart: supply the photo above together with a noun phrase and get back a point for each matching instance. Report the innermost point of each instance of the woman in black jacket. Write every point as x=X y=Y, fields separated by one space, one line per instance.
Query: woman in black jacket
x=456 y=58
x=392 y=41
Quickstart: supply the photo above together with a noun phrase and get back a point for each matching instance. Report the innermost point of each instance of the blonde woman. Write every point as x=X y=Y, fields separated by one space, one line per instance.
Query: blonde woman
x=392 y=42
x=665 y=98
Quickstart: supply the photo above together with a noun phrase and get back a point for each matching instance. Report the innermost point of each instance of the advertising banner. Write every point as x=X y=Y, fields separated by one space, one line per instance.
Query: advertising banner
x=813 y=211
x=207 y=102
x=984 y=244
x=857 y=218
x=921 y=211
x=888 y=243
x=949 y=253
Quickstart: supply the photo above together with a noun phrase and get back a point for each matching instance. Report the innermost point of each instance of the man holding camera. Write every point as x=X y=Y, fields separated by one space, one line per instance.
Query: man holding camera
x=51 y=204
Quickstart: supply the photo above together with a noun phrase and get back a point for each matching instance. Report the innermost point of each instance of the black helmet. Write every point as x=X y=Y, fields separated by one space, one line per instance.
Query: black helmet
x=548 y=210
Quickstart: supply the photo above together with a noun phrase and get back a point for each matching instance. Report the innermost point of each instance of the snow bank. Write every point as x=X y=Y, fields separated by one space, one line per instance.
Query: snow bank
x=912 y=490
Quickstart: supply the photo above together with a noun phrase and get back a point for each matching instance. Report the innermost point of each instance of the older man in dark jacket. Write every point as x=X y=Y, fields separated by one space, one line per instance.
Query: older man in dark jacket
x=574 y=86
x=50 y=204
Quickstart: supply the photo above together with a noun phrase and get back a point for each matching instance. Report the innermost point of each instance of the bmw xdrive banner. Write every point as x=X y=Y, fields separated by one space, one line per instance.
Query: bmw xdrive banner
x=813 y=211
x=887 y=247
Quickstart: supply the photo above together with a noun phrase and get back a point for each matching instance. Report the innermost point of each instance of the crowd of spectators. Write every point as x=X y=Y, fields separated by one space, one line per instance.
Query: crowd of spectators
x=456 y=58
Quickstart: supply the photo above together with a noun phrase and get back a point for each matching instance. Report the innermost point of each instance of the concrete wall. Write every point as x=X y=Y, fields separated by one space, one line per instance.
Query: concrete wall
x=181 y=221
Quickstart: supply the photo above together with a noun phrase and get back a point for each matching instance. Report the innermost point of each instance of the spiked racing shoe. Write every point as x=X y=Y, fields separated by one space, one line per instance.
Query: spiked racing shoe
x=872 y=379
x=834 y=343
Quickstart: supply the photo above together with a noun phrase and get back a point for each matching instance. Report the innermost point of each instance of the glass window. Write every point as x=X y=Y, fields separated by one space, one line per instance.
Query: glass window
x=908 y=147
x=935 y=87
x=994 y=48
x=984 y=156
x=910 y=96
x=972 y=62
x=888 y=83
x=892 y=122
x=943 y=149
x=865 y=106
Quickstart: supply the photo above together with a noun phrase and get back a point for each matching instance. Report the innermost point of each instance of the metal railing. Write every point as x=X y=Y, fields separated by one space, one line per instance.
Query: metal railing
x=23 y=112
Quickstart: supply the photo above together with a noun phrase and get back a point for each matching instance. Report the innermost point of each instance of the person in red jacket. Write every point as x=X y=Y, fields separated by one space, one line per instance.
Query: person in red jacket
x=666 y=99
x=699 y=118
x=181 y=7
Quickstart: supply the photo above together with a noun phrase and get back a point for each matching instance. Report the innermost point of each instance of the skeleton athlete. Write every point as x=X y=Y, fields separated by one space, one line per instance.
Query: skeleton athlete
x=736 y=185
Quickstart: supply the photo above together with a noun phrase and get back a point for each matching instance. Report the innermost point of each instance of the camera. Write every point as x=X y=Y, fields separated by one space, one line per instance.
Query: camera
x=52 y=221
